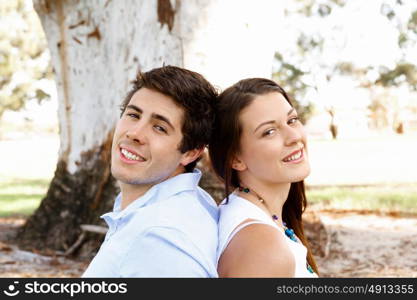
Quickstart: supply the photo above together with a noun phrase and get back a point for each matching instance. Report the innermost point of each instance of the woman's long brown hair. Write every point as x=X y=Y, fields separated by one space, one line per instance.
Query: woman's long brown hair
x=225 y=144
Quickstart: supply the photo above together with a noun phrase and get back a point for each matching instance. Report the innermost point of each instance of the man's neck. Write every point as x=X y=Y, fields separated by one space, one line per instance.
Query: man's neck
x=132 y=192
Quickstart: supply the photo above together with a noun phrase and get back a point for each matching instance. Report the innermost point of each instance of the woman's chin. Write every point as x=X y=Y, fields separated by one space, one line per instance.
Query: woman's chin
x=301 y=175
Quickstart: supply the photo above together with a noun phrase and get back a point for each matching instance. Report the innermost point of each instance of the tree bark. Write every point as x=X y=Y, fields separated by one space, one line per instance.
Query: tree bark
x=96 y=49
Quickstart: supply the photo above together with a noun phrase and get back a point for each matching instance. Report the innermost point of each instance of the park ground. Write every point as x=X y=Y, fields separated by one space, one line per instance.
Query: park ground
x=362 y=195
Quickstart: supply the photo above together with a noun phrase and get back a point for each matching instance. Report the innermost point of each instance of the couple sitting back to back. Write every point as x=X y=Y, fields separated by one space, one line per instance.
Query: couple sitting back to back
x=163 y=224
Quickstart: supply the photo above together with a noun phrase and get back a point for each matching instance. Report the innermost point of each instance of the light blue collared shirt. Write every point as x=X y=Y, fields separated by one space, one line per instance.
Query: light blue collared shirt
x=170 y=231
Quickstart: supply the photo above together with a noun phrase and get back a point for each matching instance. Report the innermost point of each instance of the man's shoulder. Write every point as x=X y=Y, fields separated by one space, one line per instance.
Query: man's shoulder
x=206 y=195
x=187 y=211
x=197 y=200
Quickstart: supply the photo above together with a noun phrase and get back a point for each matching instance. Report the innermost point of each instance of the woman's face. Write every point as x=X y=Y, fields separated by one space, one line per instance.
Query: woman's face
x=273 y=146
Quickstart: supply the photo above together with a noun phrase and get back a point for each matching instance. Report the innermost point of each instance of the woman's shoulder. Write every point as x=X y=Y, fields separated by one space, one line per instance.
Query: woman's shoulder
x=237 y=209
x=234 y=213
x=257 y=250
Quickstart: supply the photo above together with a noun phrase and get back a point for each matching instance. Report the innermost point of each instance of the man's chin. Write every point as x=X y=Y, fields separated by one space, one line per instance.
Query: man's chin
x=124 y=178
x=130 y=181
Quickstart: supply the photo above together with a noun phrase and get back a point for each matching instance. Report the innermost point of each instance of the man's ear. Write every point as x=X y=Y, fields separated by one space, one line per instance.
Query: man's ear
x=191 y=155
x=238 y=164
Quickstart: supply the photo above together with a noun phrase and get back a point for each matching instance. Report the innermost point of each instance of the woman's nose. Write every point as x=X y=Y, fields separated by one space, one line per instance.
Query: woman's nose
x=293 y=135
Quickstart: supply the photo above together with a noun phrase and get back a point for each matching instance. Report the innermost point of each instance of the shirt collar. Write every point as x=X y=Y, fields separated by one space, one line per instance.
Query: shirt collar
x=177 y=184
x=158 y=192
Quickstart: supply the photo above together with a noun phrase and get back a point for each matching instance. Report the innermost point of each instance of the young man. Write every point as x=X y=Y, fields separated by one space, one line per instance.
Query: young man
x=162 y=223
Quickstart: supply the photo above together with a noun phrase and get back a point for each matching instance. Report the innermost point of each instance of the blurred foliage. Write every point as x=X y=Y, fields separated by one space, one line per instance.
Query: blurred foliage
x=412 y=23
x=289 y=78
x=296 y=70
x=385 y=110
x=24 y=57
x=402 y=72
x=321 y=8
x=306 y=43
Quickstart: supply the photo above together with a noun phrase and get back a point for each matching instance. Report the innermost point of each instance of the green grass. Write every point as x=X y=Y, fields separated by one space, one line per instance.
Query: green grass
x=400 y=198
x=21 y=196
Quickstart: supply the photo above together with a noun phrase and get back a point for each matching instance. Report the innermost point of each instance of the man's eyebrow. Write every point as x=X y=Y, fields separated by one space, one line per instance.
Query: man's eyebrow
x=163 y=119
x=134 y=107
x=154 y=116
x=272 y=121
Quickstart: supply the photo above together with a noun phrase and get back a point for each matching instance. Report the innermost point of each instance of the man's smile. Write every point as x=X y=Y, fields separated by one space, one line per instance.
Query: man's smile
x=130 y=155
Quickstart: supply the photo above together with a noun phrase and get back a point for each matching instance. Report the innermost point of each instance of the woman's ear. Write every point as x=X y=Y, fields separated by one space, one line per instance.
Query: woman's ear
x=238 y=164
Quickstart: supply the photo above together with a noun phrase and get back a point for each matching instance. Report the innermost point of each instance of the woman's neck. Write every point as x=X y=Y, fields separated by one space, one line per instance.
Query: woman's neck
x=273 y=195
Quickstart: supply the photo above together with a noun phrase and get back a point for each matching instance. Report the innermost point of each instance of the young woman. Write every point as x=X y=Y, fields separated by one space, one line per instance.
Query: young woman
x=259 y=149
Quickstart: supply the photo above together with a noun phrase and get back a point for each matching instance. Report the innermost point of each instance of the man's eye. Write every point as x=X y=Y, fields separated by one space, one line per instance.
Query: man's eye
x=132 y=115
x=269 y=132
x=160 y=128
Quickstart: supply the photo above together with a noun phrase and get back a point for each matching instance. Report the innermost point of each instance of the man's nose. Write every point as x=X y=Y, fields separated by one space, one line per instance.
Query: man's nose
x=137 y=133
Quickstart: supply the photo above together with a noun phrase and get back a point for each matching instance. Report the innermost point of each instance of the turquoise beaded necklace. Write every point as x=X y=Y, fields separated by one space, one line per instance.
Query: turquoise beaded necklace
x=288 y=231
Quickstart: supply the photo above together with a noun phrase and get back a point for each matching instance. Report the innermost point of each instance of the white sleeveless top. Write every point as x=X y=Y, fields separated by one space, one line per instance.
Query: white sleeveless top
x=238 y=210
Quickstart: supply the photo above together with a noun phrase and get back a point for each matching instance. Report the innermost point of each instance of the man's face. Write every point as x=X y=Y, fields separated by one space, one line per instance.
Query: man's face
x=146 y=140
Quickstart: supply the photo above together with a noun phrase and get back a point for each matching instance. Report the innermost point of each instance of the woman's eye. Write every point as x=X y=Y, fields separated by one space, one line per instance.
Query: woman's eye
x=293 y=120
x=160 y=128
x=268 y=132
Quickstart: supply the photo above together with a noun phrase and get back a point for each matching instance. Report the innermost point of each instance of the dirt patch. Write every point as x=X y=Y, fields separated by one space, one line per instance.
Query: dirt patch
x=346 y=244
x=368 y=245
x=17 y=263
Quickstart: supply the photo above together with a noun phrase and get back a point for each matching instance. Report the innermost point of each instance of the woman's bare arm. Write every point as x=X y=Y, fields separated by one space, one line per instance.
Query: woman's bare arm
x=257 y=250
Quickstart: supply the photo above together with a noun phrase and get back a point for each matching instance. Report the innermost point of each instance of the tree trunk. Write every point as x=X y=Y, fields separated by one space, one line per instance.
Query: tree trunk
x=96 y=49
